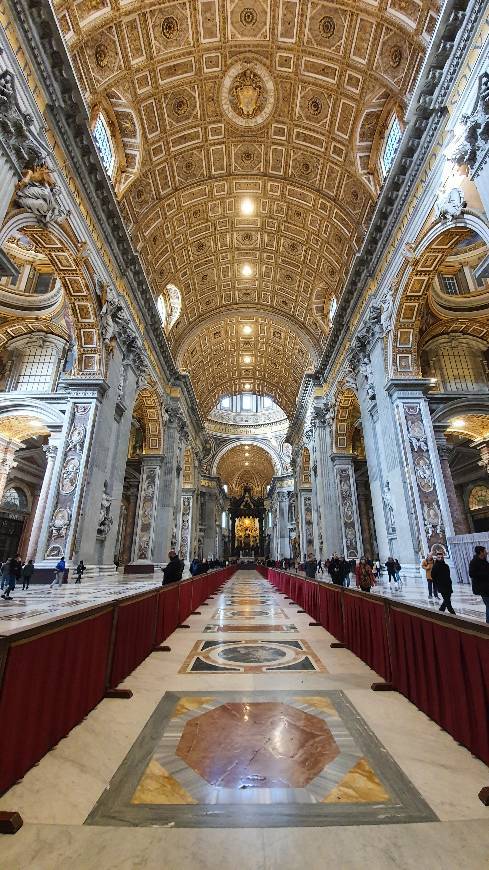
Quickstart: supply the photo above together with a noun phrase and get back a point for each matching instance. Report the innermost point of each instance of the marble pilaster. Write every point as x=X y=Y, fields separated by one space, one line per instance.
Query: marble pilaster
x=168 y=506
x=347 y=499
x=460 y=524
x=130 y=525
x=423 y=471
x=328 y=514
x=39 y=512
x=143 y=542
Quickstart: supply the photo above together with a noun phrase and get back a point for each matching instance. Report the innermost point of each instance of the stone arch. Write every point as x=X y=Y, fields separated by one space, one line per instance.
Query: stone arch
x=147 y=409
x=428 y=256
x=67 y=261
x=256 y=442
x=16 y=328
x=347 y=414
x=22 y=418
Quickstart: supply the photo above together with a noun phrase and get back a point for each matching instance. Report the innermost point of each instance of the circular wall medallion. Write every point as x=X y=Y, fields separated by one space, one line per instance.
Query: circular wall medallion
x=327 y=26
x=247 y=94
x=248 y=17
x=169 y=27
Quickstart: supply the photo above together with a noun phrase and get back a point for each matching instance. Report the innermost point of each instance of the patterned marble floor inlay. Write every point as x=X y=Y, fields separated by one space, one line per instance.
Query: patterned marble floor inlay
x=249 y=627
x=258 y=759
x=251 y=656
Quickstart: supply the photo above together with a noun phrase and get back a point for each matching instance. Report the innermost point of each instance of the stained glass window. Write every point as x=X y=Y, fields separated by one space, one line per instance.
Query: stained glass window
x=104 y=145
x=391 y=144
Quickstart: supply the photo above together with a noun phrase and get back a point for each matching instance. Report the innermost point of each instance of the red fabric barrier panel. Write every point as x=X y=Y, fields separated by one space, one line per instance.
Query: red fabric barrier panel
x=134 y=636
x=311 y=599
x=170 y=609
x=286 y=584
x=197 y=592
x=365 y=631
x=185 y=600
x=445 y=672
x=330 y=610
x=50 y=683
x=300 y=592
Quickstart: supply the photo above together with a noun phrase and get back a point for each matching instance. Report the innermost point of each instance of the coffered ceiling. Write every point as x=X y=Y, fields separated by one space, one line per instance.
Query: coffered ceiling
x=280 y=102
x=246 y=465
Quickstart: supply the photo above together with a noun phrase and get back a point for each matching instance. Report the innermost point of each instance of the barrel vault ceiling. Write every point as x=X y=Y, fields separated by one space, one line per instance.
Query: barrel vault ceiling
x=211 y=102
x=246 y=465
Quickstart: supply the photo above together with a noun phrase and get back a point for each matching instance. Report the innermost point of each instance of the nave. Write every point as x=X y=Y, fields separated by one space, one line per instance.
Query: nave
x=292 y=759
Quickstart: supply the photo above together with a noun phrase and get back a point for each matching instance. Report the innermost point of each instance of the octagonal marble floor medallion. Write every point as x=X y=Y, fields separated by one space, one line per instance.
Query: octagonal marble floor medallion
x=258 y=759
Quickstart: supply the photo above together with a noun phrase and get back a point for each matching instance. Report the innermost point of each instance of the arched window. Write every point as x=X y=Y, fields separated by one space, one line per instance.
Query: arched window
x=333 y=305
x=390 y=145
x=34 y=363
x=161 y=306
x=105 y=147
x=175 y=304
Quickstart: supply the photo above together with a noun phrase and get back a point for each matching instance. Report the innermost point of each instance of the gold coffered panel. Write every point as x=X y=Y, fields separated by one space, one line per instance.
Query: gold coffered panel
x=235 y=355
x=276 y=100
x=246 y=465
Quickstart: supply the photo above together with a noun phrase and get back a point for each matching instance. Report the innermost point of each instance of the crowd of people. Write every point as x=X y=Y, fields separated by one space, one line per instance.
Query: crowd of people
x=366 y=573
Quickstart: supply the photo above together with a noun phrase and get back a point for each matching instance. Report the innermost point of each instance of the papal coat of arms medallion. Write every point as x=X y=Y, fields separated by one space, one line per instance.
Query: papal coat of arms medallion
x=247 y=94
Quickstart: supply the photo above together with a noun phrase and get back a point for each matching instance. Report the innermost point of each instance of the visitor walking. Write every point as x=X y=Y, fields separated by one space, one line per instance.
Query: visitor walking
x=364 y=575
x=427 y=565
x=397 y=573
x=14 y=572
x=479 y=574
x=27 y=572
x=390 y=564
x=334 y=570
x=59 y=572
x=80 y=570
x=440 y=574
x=344 y=571
x=320 y=567
x=311 y=566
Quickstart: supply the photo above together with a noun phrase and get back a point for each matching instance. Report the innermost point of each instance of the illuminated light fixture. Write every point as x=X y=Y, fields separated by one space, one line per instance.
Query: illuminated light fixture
x=246 y=270
x=247 y=386
x=247 y=360
x=247 y=206
x=247 y=329
x=247 y=463
x=458 y=423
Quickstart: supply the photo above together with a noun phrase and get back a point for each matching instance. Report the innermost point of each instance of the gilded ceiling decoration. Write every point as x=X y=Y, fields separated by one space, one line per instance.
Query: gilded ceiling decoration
x=20 y=428
x=246 y=465
x=275 y=101
x=473 y=426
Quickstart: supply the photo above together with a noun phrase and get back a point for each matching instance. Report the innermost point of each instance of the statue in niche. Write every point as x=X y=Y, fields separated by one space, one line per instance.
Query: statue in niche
x=366 y=371
x=104 y=519
x=387 y=309
x=390 y=515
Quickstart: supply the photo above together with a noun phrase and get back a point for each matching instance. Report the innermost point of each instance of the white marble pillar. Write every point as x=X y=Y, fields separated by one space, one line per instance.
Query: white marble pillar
x=348 y=504
x=142 y=550
x=328 y=513
x=168 y=508
x=422 y=468
x=51 y=451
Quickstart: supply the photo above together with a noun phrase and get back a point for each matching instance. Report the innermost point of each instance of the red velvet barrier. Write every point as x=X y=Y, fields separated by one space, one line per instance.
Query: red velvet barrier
x=300 y=592
x=445 y=672
x=160 y=618
x=185 y=600
x=330 y=610
x=170 y=610
x=134 y=636
x=365 y=631
x=311 y=599
x=197 y=592
x=50 y=683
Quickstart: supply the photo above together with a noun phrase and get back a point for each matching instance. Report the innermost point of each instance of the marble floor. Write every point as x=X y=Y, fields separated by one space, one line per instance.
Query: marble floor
x=249 y=762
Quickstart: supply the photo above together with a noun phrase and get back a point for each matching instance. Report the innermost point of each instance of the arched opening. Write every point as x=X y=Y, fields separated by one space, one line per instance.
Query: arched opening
x=247 y=470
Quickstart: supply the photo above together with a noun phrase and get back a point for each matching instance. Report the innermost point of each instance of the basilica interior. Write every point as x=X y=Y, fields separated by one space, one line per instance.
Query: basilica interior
x=244 y=319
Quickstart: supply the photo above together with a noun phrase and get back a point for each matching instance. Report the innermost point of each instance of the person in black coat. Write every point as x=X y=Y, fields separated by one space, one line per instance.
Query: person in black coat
x=479 y=574
x=440 y=574
x=173 y=570
x=334 y=570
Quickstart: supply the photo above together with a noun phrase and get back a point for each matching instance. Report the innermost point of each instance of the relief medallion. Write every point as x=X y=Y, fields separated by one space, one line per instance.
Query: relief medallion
x=247 y=94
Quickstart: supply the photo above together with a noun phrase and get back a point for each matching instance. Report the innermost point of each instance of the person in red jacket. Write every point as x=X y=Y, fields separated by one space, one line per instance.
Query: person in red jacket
x=364 y=575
